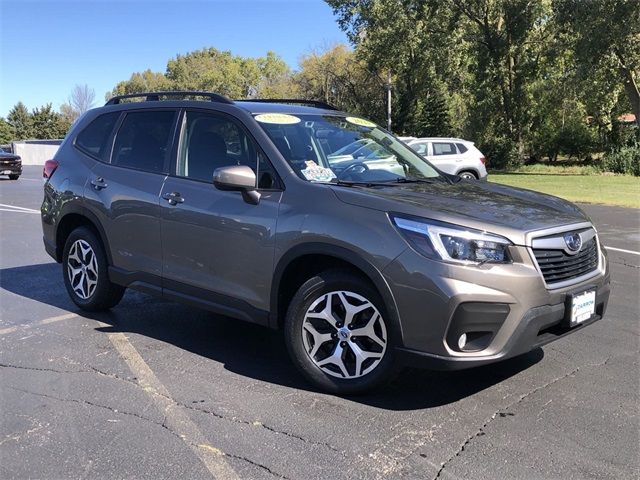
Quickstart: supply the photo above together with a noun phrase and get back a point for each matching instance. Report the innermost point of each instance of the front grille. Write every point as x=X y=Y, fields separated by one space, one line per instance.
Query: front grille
x=557 y=266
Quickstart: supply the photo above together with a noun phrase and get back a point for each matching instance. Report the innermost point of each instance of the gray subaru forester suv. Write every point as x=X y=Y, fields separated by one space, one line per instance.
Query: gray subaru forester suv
x=293 y=215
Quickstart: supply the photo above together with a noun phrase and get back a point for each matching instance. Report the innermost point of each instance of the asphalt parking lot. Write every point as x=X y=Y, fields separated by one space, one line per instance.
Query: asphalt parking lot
x=154 y=389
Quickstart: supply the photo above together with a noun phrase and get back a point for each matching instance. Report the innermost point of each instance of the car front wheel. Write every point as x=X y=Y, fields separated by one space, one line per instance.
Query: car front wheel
x=339 y=335
x=84 y=265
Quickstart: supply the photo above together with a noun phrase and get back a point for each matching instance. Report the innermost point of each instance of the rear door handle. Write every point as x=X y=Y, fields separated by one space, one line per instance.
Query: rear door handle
x=98 y=183
x=173 y=198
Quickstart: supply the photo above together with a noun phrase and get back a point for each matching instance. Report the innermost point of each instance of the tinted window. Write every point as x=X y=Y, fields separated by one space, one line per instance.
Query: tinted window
x=211 y=141
x=95 y=137
x=444 y=149
x=420 y=148
x=461 y=147
x=143 y=139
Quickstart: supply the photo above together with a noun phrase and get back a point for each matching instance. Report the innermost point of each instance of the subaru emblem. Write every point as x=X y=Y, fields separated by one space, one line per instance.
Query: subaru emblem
x=573 y=242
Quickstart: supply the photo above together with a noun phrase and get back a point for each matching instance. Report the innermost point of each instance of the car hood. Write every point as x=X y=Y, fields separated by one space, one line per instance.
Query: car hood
x=9 y=156
x=507 y=211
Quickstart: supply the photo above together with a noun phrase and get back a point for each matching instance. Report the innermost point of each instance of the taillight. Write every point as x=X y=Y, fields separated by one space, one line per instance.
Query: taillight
x=49 y=167
x=483 y=160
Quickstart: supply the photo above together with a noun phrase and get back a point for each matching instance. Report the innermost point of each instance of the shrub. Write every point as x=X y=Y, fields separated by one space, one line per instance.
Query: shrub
x=501 y=153
x=624 y=160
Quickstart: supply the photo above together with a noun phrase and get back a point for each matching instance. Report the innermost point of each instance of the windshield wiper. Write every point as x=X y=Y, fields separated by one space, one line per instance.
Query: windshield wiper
x=351 y=183
x=416 y=180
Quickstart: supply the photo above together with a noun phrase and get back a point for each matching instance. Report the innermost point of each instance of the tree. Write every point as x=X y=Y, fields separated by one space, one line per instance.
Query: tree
x=48 y=124
x=402 y=38
x=146 y=81
x=336 y=76
x=81 y=99
x=21 y=122
x=213 y=70
x=6 y=131
x=606 y=41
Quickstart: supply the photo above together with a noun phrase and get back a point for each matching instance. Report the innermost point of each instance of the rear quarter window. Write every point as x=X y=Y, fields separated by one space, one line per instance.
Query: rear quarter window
x=94 y=138
x=461 y=147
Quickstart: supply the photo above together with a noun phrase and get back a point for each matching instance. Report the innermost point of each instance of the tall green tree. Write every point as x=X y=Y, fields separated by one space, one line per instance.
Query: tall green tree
x=6 y=131
x=48 y=124
x=403 y=38
x=21 y=122
x=605 y=36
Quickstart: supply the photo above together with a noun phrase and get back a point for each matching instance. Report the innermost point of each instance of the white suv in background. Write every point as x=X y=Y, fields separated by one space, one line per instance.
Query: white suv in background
x=451 y=155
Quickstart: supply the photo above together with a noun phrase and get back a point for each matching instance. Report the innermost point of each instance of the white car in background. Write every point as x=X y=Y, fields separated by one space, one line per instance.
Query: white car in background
x=451 y=155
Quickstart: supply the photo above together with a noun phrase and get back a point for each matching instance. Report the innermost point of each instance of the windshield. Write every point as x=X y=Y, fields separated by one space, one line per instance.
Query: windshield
x=331 y=148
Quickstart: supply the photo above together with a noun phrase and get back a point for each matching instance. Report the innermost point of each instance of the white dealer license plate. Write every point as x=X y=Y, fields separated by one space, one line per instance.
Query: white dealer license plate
x=583 y=306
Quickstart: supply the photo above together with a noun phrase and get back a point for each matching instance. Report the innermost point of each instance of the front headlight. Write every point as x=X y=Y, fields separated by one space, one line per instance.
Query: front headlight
x=452 y=243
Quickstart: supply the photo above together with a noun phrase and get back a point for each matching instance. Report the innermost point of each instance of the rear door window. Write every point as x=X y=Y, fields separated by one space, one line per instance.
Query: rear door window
x=442 y=148
x=144 y=139
x=94 y=139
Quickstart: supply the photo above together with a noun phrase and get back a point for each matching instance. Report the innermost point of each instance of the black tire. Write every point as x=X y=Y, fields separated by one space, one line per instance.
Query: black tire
x=308 y=293
x=13 y=177
x=105 y=294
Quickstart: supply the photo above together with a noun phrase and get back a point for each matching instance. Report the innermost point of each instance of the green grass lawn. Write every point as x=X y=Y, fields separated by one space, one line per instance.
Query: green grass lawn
x=623 y=191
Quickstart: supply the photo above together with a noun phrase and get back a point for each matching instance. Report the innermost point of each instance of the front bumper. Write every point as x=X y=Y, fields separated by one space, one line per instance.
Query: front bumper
x=510 y=301
x=10 y=167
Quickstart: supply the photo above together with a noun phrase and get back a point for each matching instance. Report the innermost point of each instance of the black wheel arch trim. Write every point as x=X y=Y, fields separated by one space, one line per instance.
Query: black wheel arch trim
x=76 y=209
x=340 y=253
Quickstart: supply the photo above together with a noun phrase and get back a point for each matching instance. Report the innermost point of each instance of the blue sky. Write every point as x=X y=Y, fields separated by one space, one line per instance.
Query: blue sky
x=47 y=47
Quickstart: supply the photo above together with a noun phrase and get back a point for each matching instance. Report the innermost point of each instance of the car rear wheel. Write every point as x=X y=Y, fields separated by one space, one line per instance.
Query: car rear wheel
x=468 y=175
x=339 y=334
x=84 y=265
x=13 y=177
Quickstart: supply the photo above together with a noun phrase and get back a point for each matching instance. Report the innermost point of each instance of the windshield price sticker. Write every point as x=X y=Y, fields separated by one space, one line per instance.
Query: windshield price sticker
x=360 y=122
x=316 y=173
x=277 y=118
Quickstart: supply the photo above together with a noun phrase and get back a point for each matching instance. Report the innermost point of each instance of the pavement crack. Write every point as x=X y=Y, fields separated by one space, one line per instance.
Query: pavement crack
x=96 y=405
x=259 y=425
x=97 y=371
x=504 y=412
x=38 y=369
x=624 y=264
x=256 y=464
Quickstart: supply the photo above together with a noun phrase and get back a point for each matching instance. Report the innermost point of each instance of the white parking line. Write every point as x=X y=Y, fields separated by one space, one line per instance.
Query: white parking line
x=15 y=208
x=175 y=418
x=59 y=318
x=632 y=252
x=17 y=211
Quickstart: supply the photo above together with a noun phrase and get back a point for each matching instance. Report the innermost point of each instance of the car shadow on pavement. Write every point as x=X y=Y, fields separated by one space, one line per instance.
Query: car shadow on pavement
x=250 y=350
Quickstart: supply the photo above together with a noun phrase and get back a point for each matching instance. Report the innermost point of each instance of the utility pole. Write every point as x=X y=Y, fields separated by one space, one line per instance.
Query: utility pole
x=389 y=101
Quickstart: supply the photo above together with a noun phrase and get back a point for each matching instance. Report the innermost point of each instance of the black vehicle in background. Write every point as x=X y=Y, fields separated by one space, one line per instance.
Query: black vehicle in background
x=10 y=164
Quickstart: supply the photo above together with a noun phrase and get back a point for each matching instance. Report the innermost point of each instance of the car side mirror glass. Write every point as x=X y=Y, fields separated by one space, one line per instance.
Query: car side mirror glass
x=240 y=178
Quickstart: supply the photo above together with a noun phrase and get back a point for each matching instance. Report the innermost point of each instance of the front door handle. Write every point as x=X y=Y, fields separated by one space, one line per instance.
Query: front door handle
x=173 y=198
x=98 y=183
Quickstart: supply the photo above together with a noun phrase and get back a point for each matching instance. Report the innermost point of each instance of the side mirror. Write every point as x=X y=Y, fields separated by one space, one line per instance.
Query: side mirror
x=240 y=178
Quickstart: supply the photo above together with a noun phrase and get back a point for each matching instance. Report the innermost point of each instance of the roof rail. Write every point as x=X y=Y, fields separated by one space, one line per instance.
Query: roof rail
x=294 y=101
x=155 y=96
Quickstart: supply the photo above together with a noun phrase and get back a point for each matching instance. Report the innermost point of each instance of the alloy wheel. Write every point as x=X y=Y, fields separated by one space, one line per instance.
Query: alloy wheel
x=468 y=176
x=82 y=269
x=344 y=334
